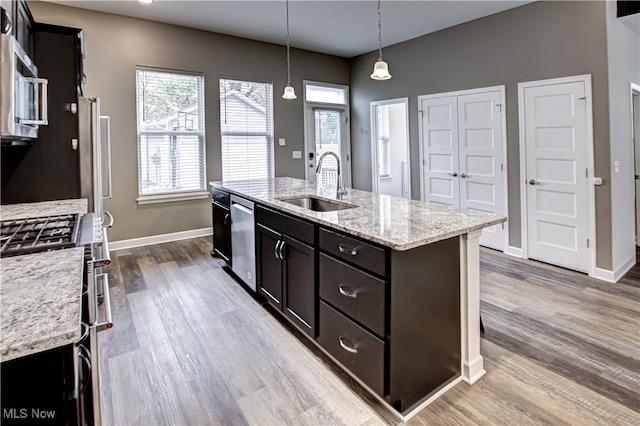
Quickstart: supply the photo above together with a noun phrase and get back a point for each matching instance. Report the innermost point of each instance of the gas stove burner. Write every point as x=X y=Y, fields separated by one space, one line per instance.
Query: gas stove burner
x=32 y=235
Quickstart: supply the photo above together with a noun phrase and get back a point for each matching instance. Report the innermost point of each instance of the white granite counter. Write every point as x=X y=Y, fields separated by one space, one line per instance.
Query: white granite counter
x=40 y=301
x=40 y=294
x=394 y=222
x=44 y=208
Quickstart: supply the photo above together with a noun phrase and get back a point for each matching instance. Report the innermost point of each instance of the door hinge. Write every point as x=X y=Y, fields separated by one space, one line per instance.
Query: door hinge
x=499 y=106
x=424 y=162
x=586 y=172
x=584 y=101
x=587 y=243
x=502 y=167
x=421 y=113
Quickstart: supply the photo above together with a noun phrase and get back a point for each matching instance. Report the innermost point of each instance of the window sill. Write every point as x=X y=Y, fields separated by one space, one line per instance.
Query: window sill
x=170 y=198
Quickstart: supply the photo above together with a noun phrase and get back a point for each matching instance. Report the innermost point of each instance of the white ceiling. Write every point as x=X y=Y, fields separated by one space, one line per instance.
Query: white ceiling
x=343 y=28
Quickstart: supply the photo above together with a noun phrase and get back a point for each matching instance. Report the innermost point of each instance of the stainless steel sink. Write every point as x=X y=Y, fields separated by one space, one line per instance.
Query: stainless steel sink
x=317 y=204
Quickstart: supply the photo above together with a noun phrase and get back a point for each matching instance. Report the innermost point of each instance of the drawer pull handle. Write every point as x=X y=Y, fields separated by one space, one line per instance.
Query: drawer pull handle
x=346 y=345
x=347 y=250
x=345 y=292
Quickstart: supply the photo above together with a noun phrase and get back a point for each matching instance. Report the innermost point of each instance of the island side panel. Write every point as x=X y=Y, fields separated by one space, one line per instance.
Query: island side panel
x=425 y=327
x=472 y=361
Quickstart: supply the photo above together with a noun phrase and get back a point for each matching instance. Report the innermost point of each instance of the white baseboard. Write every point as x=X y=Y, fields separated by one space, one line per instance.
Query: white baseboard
x=604 y=275
x=158 y=239
x=514 y=251
x=624 y=268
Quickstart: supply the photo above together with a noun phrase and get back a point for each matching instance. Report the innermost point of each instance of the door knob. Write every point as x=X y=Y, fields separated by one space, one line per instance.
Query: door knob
x=533 y=182
x=454 y=174
x=463 y=175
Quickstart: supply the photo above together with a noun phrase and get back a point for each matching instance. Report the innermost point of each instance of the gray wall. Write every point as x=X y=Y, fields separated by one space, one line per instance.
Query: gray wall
x=533 y=42
x=115 y=45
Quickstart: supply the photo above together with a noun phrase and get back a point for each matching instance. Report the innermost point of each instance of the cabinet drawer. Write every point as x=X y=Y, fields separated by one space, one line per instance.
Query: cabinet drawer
x=357 y=294
x=220 y=197
x=353 y=250
x=359 y=351
x=298 y=229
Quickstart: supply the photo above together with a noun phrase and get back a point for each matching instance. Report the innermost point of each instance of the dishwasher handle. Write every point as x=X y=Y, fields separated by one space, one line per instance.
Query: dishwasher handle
x=242 y=208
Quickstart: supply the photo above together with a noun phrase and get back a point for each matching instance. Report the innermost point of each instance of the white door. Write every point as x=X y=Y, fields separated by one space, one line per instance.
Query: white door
x=390 y=147
x=328 y=132
x=440 y=150
x=555 y=138
x=481 y=166
x=463 y=143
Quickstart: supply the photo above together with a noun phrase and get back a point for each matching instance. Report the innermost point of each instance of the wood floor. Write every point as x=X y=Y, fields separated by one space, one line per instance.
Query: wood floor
x=191 y=346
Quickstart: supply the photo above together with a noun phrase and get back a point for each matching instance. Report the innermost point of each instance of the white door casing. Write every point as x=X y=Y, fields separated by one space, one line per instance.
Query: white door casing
x=556 y=167
x=463 y=146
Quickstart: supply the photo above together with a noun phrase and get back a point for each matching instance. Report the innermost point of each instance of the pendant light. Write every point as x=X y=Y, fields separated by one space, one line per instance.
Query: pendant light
x=380 y=68
x=289 y=93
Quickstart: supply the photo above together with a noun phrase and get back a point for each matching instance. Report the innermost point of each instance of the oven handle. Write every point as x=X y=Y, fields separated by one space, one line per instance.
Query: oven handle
x=111 y=219
x=108 y=320
x=106 y=255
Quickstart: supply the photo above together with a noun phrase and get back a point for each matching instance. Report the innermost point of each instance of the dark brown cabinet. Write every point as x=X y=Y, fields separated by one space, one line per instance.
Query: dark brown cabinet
x=287 y=266
x=22 y=24
x=221 y=225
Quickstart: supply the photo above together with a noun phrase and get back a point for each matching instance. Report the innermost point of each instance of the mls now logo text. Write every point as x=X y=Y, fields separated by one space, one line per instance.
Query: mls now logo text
x=25 y=413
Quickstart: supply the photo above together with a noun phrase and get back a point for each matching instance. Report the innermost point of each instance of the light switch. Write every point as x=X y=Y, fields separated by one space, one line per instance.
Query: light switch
x=296 y=154
x=597 y=181
x=616 y=166
x=282 y=142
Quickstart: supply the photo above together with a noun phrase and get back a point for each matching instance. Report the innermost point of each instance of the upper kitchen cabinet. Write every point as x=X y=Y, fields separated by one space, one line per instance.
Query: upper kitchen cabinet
x=48 y=169
x=17 y=17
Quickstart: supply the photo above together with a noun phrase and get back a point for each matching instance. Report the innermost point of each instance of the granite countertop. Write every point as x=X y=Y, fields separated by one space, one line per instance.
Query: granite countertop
x=40 y=302
x=394 y=222
x=40 y=293
x=44 y=208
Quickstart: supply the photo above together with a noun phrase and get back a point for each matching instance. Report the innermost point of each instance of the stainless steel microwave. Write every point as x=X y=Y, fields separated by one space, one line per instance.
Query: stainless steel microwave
x=24 y=95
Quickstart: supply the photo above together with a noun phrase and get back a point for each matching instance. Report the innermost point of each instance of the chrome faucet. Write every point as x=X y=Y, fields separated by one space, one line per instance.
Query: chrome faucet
x=340 y=191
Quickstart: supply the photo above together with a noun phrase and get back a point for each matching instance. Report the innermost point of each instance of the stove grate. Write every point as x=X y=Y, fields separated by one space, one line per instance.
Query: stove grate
x=32 y=235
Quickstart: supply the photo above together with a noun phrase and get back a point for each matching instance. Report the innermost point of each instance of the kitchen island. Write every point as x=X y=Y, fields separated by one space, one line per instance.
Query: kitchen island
x=387 y=287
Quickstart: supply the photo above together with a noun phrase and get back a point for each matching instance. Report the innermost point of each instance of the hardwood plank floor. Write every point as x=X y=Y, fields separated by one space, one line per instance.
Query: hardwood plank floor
x=191 y=346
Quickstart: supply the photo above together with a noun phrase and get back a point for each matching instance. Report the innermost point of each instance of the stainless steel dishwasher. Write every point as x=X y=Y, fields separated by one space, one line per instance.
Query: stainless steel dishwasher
x=243 y=242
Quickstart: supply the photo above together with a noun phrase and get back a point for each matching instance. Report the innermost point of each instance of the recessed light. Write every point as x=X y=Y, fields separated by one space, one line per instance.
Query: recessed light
x=146 y=1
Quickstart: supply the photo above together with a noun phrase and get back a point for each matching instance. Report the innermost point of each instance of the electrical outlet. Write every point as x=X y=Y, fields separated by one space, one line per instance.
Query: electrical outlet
x=281 y=142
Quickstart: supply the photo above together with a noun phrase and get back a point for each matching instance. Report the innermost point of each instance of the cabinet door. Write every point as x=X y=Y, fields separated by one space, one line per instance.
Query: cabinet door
x=299 y=284
x=222 y=232
x=269 y=265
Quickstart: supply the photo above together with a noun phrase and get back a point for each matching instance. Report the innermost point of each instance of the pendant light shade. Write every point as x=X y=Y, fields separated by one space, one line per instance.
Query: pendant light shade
x=380 y=68
x=289 y=93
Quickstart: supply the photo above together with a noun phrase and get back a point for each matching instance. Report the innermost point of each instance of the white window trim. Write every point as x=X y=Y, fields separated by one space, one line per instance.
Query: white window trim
x=178 y=195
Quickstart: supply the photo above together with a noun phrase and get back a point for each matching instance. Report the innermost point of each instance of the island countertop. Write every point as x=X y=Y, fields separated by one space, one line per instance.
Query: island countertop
x=394 y=222
x=40 y=293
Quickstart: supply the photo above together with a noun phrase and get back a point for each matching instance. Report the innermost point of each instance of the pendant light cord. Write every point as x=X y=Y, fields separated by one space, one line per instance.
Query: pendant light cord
x=379 y=33
x=288 y=59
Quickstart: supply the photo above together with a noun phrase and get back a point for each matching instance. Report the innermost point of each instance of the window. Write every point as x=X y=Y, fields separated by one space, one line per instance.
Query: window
x=246 y=124
x=384 y=147
x=171 y=144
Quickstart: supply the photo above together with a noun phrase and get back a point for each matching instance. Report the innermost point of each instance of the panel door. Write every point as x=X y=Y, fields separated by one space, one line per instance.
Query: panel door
x=269 y=265
x=481 y=168
x=329 y=133
x=440 y=148
x=556 y=165
x=299 y=284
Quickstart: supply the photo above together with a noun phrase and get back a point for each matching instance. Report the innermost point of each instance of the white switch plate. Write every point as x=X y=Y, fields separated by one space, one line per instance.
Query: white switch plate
x=296 y=154
x=616 y=166
x=597 y=181
x=281 y=142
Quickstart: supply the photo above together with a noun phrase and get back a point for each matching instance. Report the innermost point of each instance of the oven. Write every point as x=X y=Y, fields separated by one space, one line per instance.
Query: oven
x=73 y=370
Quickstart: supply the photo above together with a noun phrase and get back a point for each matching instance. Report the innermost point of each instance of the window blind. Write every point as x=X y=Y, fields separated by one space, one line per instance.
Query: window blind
x=170 y=123
x=246 y=125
